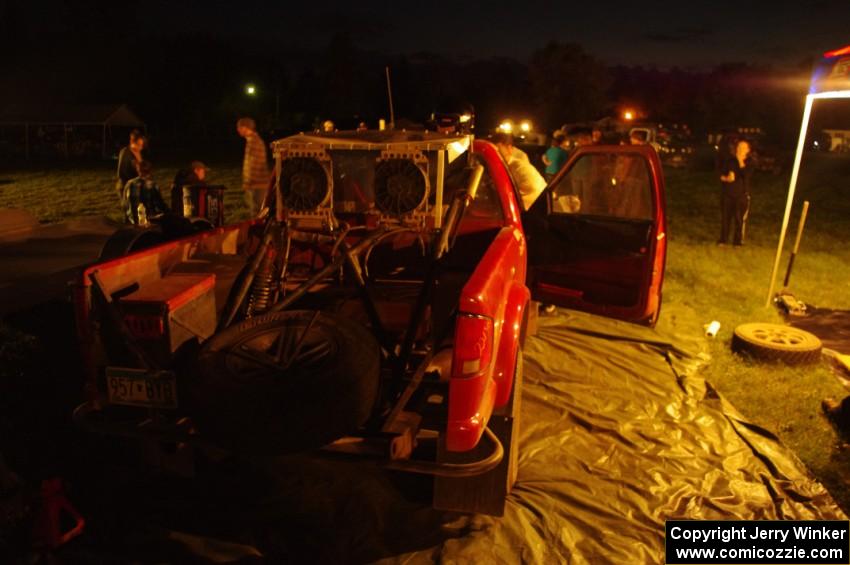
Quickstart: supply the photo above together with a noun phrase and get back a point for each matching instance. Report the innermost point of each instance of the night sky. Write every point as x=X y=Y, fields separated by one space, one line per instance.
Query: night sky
x=650 y=33
x=684 y=33
x=183 y=66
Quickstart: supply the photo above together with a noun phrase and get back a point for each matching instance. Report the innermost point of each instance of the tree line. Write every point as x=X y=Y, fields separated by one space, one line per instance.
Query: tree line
x=194 y=85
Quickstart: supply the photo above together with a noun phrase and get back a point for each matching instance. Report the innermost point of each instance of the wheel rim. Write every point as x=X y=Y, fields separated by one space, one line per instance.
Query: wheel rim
x=778 y=337
x=282 y=350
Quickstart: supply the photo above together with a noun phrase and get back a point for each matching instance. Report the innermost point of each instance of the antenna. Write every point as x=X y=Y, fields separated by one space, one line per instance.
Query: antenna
x=390 y=96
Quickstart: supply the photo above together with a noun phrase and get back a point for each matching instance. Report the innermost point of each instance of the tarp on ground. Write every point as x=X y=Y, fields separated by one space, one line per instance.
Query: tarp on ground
x=619 y=434
x=39 y=261
x=831 y=326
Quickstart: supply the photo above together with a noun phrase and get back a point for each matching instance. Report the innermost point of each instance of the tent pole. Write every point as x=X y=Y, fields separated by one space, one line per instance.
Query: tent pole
x=801 y=143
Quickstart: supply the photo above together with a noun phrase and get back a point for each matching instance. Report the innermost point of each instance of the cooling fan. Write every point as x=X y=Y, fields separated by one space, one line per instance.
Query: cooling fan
x=401 y=186
x=304 y=184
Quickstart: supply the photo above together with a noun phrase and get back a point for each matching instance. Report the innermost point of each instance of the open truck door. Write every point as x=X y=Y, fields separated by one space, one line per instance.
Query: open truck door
x=597 y=235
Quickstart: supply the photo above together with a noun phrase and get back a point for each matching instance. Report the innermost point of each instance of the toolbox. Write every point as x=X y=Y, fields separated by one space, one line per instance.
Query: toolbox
x=166 y=313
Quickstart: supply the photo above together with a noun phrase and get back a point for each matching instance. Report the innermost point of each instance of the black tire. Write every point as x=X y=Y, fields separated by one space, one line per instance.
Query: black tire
x=249 y=407
x=775 y=342
x=129 y=240
x=201 y=224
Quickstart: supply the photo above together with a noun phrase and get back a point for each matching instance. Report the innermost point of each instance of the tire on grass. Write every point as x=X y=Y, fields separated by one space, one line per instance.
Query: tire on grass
x=776 y=342
x=252 y=395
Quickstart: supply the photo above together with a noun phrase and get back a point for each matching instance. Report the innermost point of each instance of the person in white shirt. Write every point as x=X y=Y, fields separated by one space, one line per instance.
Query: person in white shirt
x=529 y=181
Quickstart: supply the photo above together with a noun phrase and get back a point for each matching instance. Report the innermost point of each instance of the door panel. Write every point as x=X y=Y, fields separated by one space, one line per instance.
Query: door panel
x=597 y=242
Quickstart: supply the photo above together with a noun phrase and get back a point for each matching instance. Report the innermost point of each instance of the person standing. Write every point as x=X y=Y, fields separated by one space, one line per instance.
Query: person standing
x=735 y=194
x=529 y=182
x=128 y=159
x=596 y=136
x=580 y=137
x=555 y=156
x=255 y=169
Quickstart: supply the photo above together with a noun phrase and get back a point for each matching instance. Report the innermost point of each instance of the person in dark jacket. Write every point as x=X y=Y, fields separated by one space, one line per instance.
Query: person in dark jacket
x=143 y=191
x=735 y=177
x=128 y=159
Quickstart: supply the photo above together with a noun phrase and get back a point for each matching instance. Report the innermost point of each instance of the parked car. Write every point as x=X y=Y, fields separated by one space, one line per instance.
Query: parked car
x=673 y=142
x=767 y=157
x=378 y=309
x=675 y=145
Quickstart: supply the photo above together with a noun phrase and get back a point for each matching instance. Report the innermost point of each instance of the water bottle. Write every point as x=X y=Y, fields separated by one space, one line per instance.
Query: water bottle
x=188 y=205
x=143 y=215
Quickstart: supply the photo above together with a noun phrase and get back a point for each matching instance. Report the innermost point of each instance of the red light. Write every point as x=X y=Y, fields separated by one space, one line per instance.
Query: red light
x=473 y=345
x=837 y=52
x=145 y=327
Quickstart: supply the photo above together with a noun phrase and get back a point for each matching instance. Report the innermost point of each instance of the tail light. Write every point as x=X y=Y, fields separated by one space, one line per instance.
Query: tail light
x=473 y=345
x=145 y=327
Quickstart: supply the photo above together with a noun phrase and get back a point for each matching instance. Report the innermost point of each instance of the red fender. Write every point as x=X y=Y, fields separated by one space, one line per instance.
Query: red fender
x=503 y=372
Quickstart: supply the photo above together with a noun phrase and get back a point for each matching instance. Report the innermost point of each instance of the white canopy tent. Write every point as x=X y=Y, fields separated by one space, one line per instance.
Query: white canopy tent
x=830 y=80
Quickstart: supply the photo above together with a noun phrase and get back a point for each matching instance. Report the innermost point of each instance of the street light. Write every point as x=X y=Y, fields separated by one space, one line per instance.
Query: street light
x=628 y=115
x=250 y=90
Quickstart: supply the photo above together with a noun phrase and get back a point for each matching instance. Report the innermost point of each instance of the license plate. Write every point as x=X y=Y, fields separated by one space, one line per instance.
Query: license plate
x=135 y=387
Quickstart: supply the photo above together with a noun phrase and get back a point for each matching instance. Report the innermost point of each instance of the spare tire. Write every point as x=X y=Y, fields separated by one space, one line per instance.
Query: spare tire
x=776 y=342
x=129 y=240
x=285 y=382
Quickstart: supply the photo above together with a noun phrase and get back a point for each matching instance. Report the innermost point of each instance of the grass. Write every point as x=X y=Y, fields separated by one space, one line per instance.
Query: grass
x=703 y=282
x=57 y=194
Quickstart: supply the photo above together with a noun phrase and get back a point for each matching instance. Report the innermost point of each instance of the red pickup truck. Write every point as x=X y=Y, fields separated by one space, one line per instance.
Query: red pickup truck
x=377 y=310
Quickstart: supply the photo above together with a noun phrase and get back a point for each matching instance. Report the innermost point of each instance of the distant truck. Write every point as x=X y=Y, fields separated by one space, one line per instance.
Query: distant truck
x=673 y=142
x=378 y=310
x=766 y=156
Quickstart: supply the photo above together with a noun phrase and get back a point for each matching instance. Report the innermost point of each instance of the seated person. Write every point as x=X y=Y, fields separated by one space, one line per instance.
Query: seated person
x=142 y=190
x=194 y=175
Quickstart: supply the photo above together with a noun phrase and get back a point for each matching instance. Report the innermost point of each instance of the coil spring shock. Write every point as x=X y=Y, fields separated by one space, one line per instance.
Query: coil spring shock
x=263 y=287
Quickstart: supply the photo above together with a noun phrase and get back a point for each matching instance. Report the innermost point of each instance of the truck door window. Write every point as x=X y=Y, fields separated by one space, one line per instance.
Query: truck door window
x=612 y=185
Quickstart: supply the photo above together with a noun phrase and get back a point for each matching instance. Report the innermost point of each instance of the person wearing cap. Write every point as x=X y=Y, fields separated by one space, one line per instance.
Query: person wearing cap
x=255 y=168
x=194 y=175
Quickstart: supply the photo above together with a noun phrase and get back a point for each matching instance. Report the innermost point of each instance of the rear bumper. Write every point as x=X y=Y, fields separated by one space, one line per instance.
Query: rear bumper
x=91 y=418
